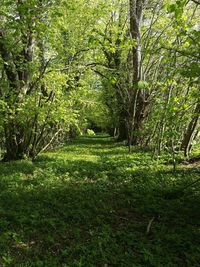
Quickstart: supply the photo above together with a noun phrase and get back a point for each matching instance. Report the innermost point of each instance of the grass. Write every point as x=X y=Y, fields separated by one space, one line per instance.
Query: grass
x=90 y=204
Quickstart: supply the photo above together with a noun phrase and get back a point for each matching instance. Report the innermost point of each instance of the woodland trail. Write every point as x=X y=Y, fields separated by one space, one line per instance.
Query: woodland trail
x=92 y=204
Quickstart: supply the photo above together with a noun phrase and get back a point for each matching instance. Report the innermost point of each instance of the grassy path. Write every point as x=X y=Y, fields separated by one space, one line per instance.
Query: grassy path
x=90 y=204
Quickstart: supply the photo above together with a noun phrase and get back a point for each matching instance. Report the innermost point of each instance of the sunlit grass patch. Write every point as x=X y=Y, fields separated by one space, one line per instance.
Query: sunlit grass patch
x=90 y=204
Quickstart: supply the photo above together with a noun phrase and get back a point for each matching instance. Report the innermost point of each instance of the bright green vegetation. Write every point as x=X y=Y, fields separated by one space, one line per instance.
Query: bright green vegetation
x=90 y=204
x=129 y=68
x=73 y=68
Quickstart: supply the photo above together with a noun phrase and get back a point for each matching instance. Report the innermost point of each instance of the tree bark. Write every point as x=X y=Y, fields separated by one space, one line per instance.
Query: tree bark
x=190 y=132
x=18 y=78
x=138 y=104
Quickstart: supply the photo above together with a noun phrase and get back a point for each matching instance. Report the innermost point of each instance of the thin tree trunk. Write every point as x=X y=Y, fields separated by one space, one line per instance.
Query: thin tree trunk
x=190 y=132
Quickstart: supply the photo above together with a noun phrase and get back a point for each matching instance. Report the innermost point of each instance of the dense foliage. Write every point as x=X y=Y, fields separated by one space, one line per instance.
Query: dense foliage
x=131 y=69
x=71 y=71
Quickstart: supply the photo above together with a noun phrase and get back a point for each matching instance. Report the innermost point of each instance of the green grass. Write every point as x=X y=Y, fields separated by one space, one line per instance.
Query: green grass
x=90 y=203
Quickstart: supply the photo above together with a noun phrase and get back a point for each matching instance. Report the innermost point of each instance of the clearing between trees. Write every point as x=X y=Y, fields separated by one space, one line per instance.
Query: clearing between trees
x=92 y=204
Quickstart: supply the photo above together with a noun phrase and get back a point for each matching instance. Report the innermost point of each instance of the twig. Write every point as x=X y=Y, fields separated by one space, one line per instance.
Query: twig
x=44 y=148
x=149 y=225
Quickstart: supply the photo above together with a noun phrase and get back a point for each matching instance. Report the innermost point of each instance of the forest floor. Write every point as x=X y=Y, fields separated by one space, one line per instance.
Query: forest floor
x=92 y=204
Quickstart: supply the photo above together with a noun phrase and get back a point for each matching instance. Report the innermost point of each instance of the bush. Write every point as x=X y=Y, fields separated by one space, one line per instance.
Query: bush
x=90 y=132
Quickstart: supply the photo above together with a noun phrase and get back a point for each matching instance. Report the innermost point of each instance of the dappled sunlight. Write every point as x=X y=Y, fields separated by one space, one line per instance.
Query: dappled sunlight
x=99 y=133
x=67 y=203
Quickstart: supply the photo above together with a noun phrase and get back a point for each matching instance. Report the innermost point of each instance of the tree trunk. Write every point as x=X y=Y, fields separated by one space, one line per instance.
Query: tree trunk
x=190 y=132
x=122 y=126
x=122 y=131
x=18 y=77
x=13 y=142
x=138 y=104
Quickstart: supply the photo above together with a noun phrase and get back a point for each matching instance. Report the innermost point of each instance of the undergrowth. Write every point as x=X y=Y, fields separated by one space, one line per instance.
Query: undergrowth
x=92 y=204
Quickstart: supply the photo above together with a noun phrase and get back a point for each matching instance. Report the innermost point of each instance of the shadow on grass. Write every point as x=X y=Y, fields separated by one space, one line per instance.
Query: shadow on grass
x=16 y=167
x=94 y=224
x=72 y=212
